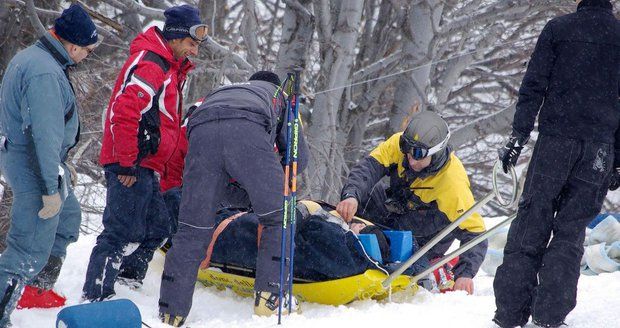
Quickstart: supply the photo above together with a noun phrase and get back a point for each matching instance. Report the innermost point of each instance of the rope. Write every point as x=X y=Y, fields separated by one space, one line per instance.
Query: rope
x=413 y=68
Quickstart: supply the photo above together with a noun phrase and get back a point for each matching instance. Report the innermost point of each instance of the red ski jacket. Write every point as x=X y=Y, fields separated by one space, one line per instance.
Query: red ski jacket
x=143 y=119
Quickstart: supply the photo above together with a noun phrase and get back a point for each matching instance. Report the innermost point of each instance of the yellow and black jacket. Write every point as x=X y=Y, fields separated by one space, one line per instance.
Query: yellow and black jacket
x=432 y=200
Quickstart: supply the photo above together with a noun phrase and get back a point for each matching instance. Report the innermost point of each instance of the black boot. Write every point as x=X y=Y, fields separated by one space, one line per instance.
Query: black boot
x=46 y=279
x=502 y=324
x=548 y=325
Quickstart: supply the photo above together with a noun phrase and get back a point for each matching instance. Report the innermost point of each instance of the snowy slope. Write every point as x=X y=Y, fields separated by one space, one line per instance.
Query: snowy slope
x=598 y=304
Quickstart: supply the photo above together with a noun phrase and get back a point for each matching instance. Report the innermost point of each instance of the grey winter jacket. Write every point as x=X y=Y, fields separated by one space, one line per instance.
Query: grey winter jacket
x=251 y=101
x=35 y=99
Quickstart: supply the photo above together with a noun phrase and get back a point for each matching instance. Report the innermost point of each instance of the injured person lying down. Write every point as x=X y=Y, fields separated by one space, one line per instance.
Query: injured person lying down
x=326 y=248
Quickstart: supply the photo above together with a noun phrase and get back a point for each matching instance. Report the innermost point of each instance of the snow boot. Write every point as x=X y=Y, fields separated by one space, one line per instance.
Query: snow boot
x=172 y=320
x=506 y=325
x=548 y=325
x=133 y=284
x=34 y=297
x=47 y=277
x=266 y=304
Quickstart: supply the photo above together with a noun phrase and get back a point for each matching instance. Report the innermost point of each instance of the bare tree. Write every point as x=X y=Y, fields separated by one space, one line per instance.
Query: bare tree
x=367 y=66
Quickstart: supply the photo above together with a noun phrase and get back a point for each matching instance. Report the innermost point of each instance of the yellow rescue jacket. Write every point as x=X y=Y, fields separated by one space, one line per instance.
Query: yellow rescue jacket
x=449 y=187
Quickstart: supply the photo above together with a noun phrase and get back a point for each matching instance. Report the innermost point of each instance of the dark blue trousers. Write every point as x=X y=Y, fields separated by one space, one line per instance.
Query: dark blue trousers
x=565 y=186
x=136 y=222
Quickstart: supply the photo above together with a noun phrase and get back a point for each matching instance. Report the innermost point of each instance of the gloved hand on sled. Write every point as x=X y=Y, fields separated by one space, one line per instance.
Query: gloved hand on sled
x=510 y=153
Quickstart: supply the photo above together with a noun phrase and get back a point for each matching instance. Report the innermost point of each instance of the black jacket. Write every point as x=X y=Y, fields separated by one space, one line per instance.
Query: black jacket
x=573 y=77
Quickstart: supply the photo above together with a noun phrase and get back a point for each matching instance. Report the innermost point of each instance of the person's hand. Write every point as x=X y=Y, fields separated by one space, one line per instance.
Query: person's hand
x=127 y=176
x=615 y=179
x=510 y=153
x=466 y=284
x=73 y=173
x=51 y=206
x=127 y=180
x=357 y=227
x=347 y=208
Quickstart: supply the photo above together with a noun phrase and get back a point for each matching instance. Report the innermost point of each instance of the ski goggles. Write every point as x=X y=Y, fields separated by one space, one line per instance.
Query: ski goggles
x=419 y=150
x=197 y=32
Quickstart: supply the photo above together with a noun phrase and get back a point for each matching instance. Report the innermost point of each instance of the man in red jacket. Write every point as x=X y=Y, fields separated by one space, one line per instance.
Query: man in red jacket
x=142 y=130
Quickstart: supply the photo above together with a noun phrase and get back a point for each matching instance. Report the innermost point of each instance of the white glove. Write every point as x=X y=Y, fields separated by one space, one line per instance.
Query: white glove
x=51 y=206
x=73 y=173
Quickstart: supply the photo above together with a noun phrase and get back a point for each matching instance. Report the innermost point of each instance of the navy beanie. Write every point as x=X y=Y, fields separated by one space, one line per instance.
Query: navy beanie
x=75 y=26
x=265 y=76
x=178 y=21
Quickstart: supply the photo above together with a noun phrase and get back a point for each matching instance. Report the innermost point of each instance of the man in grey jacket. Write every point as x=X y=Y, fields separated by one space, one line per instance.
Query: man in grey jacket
x=231 y=135
x=39 y=124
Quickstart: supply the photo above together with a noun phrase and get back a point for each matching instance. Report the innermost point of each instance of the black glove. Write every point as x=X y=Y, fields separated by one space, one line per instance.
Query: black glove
x=615 y=179
x=510 y=153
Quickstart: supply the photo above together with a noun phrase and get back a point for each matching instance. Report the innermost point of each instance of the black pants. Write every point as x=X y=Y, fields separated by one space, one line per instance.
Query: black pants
x=565 y=187
x=136 y=222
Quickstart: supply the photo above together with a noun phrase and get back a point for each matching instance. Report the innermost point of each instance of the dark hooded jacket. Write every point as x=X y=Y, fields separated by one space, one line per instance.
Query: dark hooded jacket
x=573 y=77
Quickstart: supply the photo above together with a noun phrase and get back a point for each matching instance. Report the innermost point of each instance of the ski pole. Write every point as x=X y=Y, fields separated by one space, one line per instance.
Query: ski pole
x=474 y=208
x=287 y=200
x=293 y=208
x=480 y=238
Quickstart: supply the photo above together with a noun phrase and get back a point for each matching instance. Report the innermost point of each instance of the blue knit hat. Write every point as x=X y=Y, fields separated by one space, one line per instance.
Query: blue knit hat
x=178 y=21
x=75 y=26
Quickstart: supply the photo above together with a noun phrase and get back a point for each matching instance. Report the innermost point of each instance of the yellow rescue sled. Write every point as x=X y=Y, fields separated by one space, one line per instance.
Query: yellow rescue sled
x=333 y=292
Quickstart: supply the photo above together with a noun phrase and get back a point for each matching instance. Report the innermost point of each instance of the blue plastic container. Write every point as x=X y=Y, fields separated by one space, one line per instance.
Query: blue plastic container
x=371 y=246
x=109 y=314
x=602 y=217
x=401 y=245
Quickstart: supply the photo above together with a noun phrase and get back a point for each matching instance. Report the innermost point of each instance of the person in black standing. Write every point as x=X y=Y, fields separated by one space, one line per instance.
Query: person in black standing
x=572 y=84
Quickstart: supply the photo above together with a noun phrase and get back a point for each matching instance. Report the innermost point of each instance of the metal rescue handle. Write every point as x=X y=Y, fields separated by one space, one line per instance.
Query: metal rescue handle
x=488 y=197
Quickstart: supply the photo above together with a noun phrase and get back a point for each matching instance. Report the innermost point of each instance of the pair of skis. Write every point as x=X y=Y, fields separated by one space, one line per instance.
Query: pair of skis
x=291 y=90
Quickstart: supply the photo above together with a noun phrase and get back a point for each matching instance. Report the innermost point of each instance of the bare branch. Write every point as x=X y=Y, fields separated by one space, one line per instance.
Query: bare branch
x=219 y=49
x=143 y=10
x=34 y=18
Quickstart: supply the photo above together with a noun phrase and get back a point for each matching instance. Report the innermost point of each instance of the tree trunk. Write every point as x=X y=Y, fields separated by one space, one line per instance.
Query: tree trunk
x=297 y=29
x=413 y=88
x=325 y=134
x=9 y=41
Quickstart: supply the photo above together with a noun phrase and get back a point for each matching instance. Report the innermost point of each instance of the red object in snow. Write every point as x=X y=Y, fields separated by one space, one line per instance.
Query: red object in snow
x=444 y=276
x=34 y=297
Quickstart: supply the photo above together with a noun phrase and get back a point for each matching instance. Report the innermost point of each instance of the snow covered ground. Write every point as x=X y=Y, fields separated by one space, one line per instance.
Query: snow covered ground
x=598 y=304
